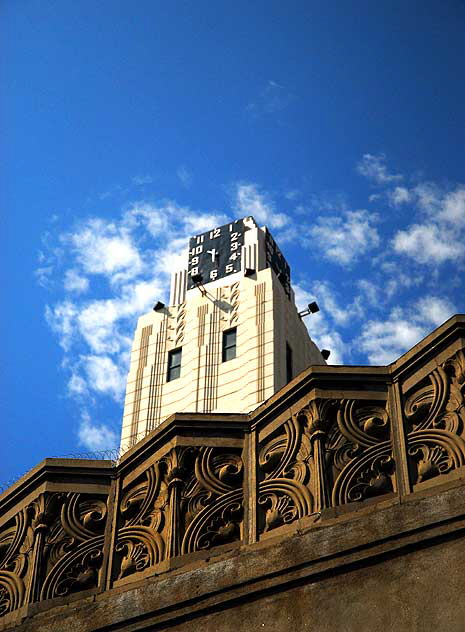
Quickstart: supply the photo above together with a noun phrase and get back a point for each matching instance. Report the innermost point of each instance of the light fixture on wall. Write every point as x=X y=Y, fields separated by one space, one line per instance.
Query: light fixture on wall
x=312 y=308
x=198 y=281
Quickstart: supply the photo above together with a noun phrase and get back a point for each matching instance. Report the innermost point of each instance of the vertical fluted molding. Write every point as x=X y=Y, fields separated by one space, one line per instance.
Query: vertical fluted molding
x=250 y=458
x=322 y=500
x=317 y=421
x=173 y=544
x=36 y=571
x=399 y=440
x=111 y=532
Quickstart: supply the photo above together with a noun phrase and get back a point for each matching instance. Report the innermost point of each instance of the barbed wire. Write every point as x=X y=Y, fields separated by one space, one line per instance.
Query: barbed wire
x=112 y=454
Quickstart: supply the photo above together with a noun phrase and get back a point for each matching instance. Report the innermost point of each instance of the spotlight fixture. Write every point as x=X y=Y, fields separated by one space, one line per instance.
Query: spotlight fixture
x=158 y=306
x=325 y=353
x=312 y=308
x=249 y=271
x=197 y=278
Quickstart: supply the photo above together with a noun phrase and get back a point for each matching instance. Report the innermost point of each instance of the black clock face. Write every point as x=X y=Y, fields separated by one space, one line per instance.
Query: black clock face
x=276 y=261
x=216 y=253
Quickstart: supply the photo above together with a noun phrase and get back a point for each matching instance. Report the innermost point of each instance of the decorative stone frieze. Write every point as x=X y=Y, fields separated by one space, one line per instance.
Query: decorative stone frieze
x=334 y=439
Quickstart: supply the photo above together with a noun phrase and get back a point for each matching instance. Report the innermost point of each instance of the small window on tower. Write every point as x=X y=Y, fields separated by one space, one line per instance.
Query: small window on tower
x=289 y=369
x=174 y=364
x=229 y=344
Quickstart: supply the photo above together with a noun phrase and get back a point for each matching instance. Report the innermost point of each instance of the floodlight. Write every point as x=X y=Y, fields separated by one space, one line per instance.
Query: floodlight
x=313 y=307
x=197 y=278
x=249 y=271
x=158 y=306
x=325 y=353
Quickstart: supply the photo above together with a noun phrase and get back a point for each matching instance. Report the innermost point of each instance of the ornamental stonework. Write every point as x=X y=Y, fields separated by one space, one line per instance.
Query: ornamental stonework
x=335 y=440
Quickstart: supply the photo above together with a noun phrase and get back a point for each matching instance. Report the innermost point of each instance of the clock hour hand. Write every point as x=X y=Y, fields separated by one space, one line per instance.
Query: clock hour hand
x=213 y=253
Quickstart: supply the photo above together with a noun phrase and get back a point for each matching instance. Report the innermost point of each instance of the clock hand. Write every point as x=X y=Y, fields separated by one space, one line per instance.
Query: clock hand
x=213 y=253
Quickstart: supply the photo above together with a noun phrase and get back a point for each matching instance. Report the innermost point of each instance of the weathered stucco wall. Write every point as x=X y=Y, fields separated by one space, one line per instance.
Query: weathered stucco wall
x=396 y=567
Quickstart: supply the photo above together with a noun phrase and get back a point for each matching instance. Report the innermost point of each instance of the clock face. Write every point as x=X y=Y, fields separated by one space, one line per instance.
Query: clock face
x=216 y=253
x=276 y=261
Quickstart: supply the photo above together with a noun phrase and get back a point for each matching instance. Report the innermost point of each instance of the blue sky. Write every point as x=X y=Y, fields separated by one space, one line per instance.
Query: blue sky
x=128 y=127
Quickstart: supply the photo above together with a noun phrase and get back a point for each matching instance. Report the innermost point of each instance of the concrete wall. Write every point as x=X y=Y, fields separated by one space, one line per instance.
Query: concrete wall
x=395 y=568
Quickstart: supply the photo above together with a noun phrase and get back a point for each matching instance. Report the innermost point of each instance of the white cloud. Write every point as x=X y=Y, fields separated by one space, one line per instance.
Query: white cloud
x=373 y=167
x=386 y=340
x=327 y=300
x=43 y=275
x=96 y=323
x=77 y=385
x=428 y=243
x=96 y=436
x=399 y=196
x=75 y=282
x=250 y=201
x=104 y=248
x=453 y=208
x=370 y=291
x=343 y=238
x=438 y=234
x=434 y=310
x=61 y=319
x=105 y=376
x=428 y=197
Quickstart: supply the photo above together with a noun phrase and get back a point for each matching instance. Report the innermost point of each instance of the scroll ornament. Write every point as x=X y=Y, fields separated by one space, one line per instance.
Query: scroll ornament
x=51 y=549
x=330 y=453
x=435 y=412
x=191 y=499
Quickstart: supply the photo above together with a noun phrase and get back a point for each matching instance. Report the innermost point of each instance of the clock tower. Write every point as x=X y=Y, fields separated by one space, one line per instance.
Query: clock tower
x=229 y=339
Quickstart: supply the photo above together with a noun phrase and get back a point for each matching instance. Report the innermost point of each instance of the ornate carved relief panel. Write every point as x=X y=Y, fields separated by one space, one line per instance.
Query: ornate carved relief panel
x=330 y=453
x=189 y=500
x=52 y=547
x=434 y=411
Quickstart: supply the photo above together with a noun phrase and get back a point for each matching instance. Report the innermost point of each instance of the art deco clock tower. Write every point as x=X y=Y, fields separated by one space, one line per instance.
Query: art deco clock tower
x=229 y=339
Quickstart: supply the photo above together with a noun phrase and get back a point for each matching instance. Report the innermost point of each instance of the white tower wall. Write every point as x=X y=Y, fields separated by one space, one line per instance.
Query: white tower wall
x=266 y=319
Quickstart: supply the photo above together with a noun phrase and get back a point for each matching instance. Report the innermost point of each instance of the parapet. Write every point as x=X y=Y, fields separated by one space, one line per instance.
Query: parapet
x=226 y=520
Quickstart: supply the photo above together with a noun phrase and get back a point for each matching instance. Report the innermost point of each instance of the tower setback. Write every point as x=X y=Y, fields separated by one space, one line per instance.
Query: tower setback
x=229 y=339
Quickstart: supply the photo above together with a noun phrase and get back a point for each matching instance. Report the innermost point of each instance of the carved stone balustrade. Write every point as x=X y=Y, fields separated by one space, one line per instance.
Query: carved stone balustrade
x=333 y=440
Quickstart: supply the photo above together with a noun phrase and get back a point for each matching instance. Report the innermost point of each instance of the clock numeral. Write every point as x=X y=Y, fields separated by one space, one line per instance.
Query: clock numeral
x=229 y=268
x=215 y=233
x=196 y=250
x=194 y=261
x=200 y=239
x=213 y=274
x=234 y=245
x=194 y=271
x=234 y=236
x=234 y=256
